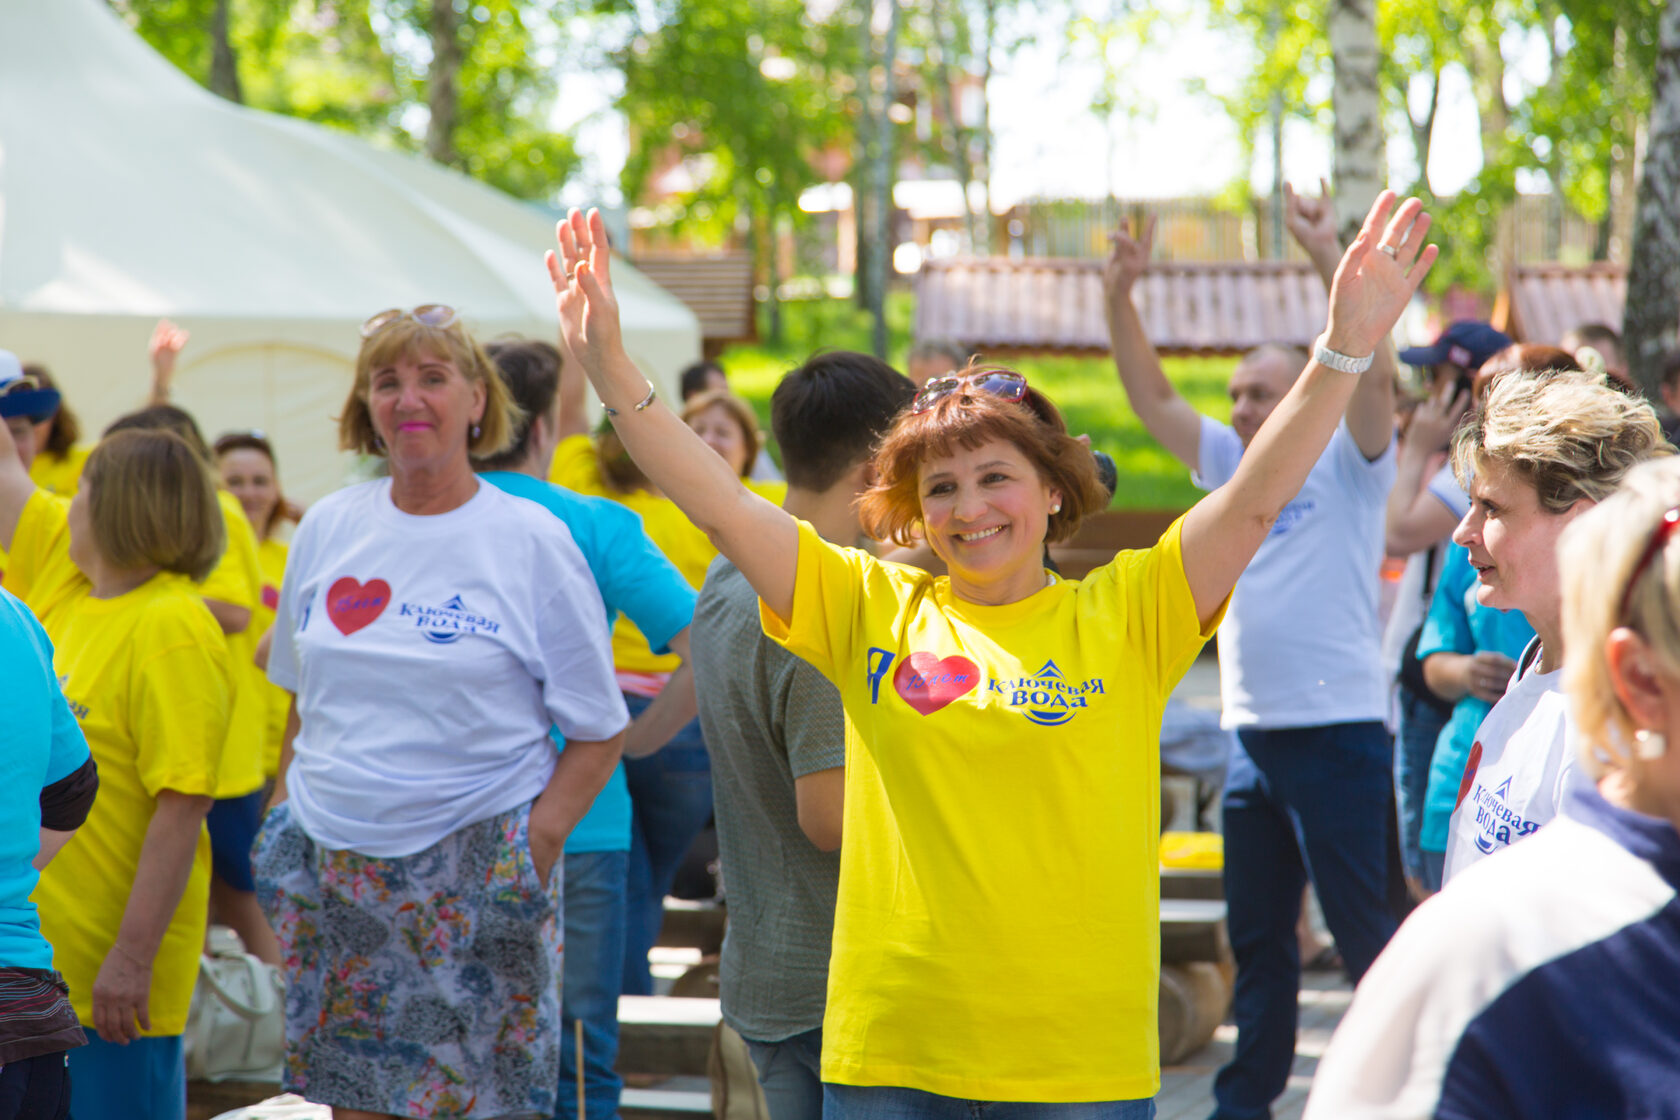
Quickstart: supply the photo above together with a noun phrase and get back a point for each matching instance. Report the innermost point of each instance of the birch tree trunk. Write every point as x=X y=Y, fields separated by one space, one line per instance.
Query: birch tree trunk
x=224 y=63
x=441 y=95
x=1359 y=166
x=881 y=185
x=1653 y=288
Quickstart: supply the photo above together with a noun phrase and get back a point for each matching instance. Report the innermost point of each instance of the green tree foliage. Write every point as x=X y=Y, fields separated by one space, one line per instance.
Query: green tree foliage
x=365 y=66
x=750 y=96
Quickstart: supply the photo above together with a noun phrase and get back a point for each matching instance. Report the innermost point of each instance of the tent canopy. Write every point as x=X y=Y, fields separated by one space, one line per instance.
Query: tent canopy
x=128 y=193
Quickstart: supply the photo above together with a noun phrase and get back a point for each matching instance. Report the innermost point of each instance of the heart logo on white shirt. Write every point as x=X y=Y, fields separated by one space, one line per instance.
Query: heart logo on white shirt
x=352 y=605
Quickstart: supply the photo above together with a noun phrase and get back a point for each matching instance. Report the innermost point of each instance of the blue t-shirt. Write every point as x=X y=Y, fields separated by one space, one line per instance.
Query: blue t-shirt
x=1456 y=623
x=634 y=578
x=40 y=743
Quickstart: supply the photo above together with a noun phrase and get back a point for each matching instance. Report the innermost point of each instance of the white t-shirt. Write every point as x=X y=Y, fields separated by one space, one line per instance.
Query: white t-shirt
x=1522 y=761
x=430 y=655
x=1300 y=646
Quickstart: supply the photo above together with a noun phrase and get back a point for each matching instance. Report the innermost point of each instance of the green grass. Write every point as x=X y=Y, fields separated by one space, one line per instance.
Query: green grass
x=1085 y=389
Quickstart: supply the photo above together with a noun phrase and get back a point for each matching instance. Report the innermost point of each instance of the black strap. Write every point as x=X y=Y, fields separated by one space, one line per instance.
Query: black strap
x=1531 y=654
x=65 y=803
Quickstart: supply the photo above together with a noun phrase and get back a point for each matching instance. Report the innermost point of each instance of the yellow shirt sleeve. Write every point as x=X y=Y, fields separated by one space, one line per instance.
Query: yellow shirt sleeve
x=237 y=576
x=1147 y=591
x=832 y=590
x=38 y=567
x=180 y=703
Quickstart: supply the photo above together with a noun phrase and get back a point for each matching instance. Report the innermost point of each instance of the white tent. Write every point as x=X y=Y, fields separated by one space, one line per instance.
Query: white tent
x=128 y=193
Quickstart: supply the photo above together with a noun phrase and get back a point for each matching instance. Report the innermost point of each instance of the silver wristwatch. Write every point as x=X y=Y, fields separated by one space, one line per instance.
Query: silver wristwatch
x=1337 y=360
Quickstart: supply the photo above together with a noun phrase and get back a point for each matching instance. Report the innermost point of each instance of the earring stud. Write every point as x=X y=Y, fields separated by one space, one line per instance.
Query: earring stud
x=1649 y=745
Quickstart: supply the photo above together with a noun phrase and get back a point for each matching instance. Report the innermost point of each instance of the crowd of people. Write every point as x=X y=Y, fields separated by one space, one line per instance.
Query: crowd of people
x=438 y=752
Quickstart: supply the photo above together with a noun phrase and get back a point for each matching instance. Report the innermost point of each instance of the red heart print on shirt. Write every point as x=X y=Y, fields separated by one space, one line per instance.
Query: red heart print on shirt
x=928 y=683
x=352 y=605
x=1471 y=765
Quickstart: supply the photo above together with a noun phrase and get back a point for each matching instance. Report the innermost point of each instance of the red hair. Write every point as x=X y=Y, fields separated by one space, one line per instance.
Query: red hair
x=969 y=419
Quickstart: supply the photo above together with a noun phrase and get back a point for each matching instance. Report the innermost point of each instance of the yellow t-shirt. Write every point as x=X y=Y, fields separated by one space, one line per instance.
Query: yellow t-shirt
x=60 y=476
x=684 y=545
x=238 y=579
x=146 y=675
x=997 y=932
x=271 y=555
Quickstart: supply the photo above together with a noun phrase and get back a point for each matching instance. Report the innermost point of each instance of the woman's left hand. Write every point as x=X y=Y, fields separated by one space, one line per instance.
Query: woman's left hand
x=121 y=993
x=547 y=845
x=1372 y=285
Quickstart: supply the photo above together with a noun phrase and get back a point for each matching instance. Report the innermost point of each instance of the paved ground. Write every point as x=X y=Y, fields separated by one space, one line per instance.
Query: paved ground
x=1187 y=1090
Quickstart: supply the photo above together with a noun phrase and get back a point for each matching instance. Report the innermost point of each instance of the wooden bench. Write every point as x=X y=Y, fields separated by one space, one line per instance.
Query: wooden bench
x=1192 y=883
x=665 y=1034
x=717 y=287
x=693 y=925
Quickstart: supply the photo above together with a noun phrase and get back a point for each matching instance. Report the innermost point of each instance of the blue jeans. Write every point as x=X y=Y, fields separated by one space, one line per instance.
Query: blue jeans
x=790 y=1073
x=1299 y=802
x=671 y=799
x=1420 y=726
x=595 y=883
x=145 y=1080
x=874 y=1102
x=36 y=1088
x=1434 y=869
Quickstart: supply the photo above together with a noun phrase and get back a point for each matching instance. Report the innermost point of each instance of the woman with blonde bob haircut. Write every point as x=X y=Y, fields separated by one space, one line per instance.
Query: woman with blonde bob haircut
x=1544 y=447
x=1545 y=982
x=432 y=631
x=996 y=930
x=111 y=574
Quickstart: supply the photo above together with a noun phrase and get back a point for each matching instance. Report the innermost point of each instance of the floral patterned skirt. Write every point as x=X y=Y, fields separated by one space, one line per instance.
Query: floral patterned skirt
x=425 y=985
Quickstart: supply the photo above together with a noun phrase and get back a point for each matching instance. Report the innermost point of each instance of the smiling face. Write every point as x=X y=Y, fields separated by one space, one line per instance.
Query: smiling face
x=422 y=407
x=985 y=513
x=1513 y=542
x=1258 y=385
x=720 y=431
x=248 y=475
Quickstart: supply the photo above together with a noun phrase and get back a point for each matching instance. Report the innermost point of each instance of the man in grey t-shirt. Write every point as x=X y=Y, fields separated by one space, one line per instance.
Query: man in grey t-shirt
x=776 y=734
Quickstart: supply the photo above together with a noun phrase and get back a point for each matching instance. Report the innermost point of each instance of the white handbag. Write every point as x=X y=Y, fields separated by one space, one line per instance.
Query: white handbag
x=236 y=1027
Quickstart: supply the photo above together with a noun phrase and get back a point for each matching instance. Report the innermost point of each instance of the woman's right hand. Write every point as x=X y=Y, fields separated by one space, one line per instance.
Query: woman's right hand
x=121 y=993
x=583 y=294
x=1372 y=287
x=1486 y=675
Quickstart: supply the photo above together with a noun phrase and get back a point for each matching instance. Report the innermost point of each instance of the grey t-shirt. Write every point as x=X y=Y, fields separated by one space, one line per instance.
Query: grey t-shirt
x=769 y=719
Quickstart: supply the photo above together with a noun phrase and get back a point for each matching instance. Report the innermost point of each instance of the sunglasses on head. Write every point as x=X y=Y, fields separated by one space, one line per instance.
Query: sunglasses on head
x=1659 y=538
x=1003 y=383
x=436 y=315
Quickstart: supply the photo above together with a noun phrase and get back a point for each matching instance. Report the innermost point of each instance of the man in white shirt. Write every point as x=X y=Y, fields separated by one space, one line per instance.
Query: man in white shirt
x=1309 y=792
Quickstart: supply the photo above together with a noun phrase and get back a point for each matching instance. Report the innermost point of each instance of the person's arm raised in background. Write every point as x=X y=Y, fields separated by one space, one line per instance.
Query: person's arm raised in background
x=164 y=350
x=760 y=538
x=1416 y=519
x=1368 y=291
x=1370 y=414
x=1167 y=415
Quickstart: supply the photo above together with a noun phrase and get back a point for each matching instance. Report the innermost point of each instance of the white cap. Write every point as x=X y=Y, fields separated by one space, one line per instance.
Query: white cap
x=10 y=368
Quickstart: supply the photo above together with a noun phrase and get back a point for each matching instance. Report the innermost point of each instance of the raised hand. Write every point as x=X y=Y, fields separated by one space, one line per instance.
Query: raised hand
x=1436 y=416
x=1312 y=222
x=165 y=348
x=1127 y=259
x=582 y=276
x=1378 y=274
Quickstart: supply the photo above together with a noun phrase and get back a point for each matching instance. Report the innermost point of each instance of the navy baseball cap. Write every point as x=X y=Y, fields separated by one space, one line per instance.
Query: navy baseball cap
x=1466 y=344
x=21 y=395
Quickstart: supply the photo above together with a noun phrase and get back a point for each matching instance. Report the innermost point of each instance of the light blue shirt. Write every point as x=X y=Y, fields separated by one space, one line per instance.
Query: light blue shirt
x=40 y=743
x=636 y=579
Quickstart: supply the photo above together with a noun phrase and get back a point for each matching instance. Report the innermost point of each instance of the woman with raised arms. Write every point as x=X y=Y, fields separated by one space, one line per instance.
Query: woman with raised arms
x=997 y=928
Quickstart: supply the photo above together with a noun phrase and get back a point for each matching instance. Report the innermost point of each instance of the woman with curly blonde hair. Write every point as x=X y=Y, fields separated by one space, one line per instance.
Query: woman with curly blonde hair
x=1544 y=448
x=1545 y=982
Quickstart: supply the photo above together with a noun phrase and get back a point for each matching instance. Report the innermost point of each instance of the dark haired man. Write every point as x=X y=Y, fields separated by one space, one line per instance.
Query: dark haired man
x=634 y=577
x=777 y=738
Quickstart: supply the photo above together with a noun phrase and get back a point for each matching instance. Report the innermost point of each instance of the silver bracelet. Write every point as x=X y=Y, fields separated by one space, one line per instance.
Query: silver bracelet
x=1337 y=360
x=641 y=405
